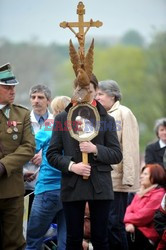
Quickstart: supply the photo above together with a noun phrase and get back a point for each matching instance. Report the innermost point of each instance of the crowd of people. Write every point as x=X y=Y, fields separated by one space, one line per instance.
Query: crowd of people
x=125 y=204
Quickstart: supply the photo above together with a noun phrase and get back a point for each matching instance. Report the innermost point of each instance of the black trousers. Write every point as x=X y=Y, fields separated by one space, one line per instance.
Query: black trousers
x=116 y=228
x=74 y=213
x=138 y=241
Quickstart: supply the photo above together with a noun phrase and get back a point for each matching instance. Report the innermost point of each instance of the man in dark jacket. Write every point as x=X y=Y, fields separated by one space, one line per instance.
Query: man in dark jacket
x=17 y=146
x=65 y=153
x=156 y=152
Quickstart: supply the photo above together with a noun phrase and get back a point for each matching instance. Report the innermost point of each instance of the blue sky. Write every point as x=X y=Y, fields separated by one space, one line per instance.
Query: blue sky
x=24 y=20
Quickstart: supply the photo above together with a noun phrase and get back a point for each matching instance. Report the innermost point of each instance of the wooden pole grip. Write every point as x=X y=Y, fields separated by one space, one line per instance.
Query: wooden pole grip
x=85 y=161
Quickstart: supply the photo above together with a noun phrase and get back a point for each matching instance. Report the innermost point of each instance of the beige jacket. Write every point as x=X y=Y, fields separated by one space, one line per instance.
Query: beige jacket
x=125 y=175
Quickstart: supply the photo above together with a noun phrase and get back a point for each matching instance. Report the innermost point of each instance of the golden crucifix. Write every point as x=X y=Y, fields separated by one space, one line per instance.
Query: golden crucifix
x=81 y=25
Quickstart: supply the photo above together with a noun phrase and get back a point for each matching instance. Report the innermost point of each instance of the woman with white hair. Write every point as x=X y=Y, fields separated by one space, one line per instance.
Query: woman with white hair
x=125 y=175
x=156 y=152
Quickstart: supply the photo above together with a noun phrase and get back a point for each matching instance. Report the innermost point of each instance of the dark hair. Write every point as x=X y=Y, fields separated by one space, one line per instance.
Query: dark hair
x=94 y=81
x=157 y=173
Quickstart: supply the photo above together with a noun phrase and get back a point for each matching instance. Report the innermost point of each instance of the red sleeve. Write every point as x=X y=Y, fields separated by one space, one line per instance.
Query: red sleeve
x=143 y=216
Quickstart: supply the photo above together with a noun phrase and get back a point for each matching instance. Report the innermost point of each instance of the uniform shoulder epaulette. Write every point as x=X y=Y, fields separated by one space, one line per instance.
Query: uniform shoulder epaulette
x=20 y=106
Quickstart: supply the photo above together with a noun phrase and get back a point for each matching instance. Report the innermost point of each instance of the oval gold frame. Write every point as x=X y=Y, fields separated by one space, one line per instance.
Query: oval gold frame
x=92 y=111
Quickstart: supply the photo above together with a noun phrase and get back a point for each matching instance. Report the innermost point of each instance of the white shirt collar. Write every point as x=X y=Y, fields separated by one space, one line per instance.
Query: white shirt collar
x=2 y=106
x=162 y=144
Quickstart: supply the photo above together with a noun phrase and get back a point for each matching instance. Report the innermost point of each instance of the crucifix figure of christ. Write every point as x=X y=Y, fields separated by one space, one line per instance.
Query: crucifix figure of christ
x=81 y=25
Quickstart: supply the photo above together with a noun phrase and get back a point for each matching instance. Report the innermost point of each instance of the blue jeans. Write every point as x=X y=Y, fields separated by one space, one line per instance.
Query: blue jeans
x=116 y=228
x=45 y=207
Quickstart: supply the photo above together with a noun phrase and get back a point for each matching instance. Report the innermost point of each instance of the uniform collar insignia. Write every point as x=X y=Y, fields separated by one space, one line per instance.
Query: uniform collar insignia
x=6 y=111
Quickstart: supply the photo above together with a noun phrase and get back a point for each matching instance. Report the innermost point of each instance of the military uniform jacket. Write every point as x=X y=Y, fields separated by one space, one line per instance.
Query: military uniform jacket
x=17 y=146
x=63 y=149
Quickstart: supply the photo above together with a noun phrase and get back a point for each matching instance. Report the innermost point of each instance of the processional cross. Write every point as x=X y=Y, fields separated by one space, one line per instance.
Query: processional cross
x=81 y=25
x=74 y=111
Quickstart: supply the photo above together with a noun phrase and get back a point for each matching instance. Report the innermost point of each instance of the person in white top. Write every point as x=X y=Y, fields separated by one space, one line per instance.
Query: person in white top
x=40 y=98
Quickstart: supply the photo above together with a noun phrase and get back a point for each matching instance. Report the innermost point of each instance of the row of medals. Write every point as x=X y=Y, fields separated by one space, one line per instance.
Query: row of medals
x=10 y=129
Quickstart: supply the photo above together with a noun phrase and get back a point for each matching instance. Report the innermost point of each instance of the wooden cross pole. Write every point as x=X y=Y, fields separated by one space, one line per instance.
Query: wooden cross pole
x=81 y=25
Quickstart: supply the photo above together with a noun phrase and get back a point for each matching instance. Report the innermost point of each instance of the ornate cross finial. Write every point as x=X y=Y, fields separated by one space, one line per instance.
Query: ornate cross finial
x=81 y=25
